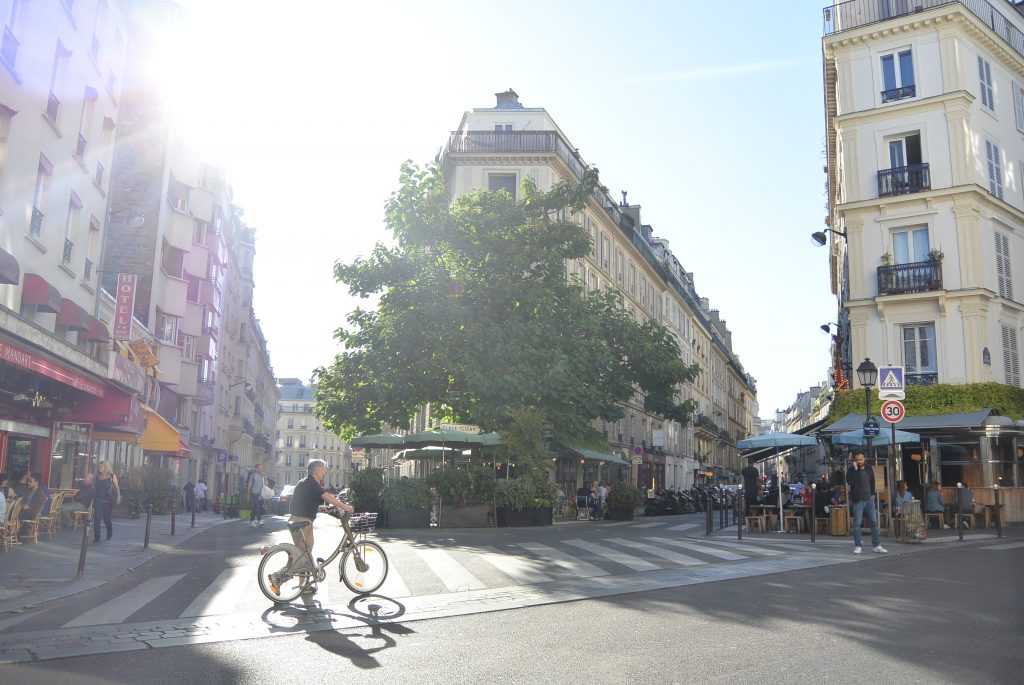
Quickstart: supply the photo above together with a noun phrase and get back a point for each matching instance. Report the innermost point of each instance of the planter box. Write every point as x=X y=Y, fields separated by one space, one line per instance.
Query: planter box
x=620 y=514
x=472 y=516
x=244 y=513
x=534 y=516
x=408 y=518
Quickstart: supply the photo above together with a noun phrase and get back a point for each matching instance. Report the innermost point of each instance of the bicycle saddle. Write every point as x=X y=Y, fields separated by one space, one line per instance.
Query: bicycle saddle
x=296 y=525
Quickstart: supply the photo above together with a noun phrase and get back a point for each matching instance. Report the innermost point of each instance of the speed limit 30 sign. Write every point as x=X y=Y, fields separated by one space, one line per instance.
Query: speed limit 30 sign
x=893 y=411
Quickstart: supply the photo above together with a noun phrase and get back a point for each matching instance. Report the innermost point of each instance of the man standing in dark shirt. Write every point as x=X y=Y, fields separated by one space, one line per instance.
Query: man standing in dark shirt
x=308 y=497
x=860 y=483
x=80 y=502
x=751 y=483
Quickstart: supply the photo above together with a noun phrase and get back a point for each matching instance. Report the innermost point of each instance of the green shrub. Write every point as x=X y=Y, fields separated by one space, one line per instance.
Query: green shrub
x=146 y=486
x=407 y=493
x=461 y=487
x=366 y=487
x=624 y=496
x=515 y=494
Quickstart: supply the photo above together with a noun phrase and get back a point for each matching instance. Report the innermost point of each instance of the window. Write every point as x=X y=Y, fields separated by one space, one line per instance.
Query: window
x=166 y=328
x=910 y=245
x=995 y=169
x=207 y=175
x=1003 y=275
x=919 y=350
x=9 y=47
x=71 y=226
x=898 y=76
x=43 y=174
x=287 y=477
x=506 y=182
x=288 y=442
x=6 y=114
x=503 y=127
x=60 y=58
x=904 y=152
x=1011 y=357
x=1018 y=105
x=199 y=232
x=188 y=346
x=291 y=423
x=985 y=78
x=85 y=123
x=288 y=460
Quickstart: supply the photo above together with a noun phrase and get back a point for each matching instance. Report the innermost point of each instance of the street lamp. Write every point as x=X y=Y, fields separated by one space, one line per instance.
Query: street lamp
x=867 y=374
x=824 y=327
x=820 y=239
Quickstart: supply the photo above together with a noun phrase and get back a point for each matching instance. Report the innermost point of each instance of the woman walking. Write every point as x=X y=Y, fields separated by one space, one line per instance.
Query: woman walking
x=107 y=495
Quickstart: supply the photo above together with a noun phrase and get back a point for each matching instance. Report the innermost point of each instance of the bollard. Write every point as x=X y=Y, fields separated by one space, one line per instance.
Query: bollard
x=709 y=510
x=193 y=512
x=740 y=502
x=814 y=519
x=149 y=516
x=999 y=520
x=174 y=510
x=721 y=508
x=85 y=546
x=959 y=512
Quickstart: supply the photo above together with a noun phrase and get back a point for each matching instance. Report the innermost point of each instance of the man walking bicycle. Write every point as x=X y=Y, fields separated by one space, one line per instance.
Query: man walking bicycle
x=860 y=483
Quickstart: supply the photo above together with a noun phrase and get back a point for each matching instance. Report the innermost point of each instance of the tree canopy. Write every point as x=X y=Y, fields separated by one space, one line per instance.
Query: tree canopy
x=476 y=314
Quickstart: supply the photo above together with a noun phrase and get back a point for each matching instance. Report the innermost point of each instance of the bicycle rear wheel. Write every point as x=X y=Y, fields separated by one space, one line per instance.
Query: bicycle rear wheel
x=275 y=582
x=374 y=562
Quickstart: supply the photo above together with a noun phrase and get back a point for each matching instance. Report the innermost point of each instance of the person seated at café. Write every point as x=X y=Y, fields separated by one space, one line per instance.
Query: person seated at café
x=901 y=497
x=822 y=500
x=839 y=495
x=34 y=503
x=21 y=484
x=3 y=498
x=966 y=502
x=585 y=496
x=807 y=497
x=934 y=503
x=80 y=502
x=38 y=478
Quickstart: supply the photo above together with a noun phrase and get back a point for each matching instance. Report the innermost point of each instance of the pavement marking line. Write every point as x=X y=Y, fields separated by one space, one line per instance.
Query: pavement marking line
x=1007 y=545
x=698 y=547
x=746 y=548
x=523 y=571
x=16 y=619
x=649 y=524
x=614 y=555
x=220 y=596
x=120 y=608
x=454 y=576
x=675 y=557
x=563 y=561
x=393 y=585
x=683 y=526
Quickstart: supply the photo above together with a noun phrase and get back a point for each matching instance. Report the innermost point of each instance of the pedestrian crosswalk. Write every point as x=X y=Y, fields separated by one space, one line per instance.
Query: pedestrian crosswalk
x=421 y=569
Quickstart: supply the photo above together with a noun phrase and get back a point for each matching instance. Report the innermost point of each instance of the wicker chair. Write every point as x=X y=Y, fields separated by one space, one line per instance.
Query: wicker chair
x=53 y=520
x=9 y=531
x=31 y=528
x=82 y=518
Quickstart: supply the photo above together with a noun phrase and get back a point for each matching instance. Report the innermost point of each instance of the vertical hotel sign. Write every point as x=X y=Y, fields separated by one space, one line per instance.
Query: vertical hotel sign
x=124 y=305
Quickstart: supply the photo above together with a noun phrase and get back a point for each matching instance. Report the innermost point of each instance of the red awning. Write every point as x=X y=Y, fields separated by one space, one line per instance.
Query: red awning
x=35 y=290
x=10 y=272
x=183 y=450
x=117 y=410
x=73 y=316
x=97 y=330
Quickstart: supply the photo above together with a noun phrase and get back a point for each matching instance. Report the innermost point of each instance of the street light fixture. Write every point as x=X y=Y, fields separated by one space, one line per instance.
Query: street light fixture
x=820 y=239
x=824 y=326
x=867 y=374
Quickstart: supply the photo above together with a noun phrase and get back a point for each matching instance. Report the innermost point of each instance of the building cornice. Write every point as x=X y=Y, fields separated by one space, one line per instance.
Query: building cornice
x=966 y=193
x=961 y=97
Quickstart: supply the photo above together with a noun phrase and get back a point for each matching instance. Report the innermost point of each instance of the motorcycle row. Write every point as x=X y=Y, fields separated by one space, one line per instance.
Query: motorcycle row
x=697 y=498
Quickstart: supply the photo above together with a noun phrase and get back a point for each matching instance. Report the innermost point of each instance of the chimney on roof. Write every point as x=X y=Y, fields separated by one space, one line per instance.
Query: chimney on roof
x=509 y=97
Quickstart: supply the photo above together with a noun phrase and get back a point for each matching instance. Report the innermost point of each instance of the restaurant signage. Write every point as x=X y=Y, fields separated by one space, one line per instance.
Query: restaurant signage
x=124 y=306
x=143 y=353
x=72 y=432
x=26 y=360
x=126 y=372
x=464 y=427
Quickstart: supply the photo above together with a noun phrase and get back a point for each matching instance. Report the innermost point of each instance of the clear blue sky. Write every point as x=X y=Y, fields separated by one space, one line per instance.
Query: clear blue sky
x=709 y=114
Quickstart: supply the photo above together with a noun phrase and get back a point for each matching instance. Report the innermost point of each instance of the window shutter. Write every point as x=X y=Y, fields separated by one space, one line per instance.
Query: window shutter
x=1018 y=106
x=1003 y=275
x=995 y=170
x=1011 y=360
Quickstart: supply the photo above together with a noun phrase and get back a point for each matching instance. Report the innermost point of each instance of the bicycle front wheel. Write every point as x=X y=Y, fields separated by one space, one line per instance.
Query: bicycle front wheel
x=275 y=581
x=364 y=567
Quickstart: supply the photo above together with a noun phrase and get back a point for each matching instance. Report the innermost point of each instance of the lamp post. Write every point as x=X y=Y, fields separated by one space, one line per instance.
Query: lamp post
x=867 y=374
x=820 y=238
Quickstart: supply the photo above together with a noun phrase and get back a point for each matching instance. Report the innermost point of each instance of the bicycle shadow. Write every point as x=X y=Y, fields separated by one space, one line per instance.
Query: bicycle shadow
x=376 y=612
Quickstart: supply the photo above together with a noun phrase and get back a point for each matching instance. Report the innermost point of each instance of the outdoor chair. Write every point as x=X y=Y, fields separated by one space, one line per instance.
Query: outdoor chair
x=795 y=521
x=31 y=527
x=938 y=516
x=753 y=521
x=81 y=518
x=9 y=530
x=821 y=523
x=582 y=508
x=960 y=518
x=53 y=520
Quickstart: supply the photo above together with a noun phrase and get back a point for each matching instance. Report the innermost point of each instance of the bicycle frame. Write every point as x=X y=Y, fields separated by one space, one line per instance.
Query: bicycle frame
x=303 y=559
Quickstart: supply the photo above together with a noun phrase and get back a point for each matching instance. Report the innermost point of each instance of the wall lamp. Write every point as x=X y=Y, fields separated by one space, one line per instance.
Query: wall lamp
x=819 y=236
x=824 y=326
x=248 y=385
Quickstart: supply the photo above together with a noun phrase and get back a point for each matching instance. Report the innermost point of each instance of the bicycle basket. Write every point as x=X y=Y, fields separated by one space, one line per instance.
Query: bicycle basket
x=364 y=523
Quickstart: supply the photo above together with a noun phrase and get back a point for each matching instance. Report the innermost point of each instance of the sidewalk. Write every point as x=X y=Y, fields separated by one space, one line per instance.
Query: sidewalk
x=33 y=574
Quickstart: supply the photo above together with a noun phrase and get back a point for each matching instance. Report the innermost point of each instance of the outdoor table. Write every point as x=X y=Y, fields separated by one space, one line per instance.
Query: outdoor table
x=838 y=519
x=989 y=512
x=803 y=510
x=766 y=512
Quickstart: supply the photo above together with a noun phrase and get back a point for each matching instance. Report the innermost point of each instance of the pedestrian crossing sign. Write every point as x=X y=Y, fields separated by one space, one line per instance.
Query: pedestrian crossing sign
x=890 y=382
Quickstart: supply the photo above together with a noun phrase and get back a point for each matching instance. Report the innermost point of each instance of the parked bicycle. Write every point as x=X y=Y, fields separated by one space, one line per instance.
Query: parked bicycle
x=286 y=570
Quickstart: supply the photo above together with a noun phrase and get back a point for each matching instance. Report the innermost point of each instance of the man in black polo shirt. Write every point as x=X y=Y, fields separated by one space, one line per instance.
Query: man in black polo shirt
x=860 y=483
x=308 y=497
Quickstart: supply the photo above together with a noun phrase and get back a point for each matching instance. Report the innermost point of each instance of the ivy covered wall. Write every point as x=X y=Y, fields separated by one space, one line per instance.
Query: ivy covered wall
x=929 y=400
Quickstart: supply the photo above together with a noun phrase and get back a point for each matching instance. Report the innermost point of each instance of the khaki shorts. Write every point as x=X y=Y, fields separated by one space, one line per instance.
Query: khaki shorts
x=303 y=538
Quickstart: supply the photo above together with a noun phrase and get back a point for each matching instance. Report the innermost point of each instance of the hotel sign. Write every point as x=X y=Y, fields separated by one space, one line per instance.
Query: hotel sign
x=124 y=305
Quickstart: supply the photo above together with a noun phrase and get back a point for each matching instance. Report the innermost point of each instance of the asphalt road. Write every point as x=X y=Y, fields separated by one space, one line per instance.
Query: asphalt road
x=950 y=615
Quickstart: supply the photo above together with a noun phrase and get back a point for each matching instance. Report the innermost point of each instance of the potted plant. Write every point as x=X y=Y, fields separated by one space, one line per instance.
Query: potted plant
x=520 y=502
x=465 y=494
x=936 y=254
x=407 y=503
x=886 y=259
x=623 y=500
x=366 y=488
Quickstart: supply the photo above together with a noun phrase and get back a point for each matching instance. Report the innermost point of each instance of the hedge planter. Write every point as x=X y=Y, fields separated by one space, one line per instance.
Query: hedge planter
x=409 y=518
x=533 y=516
x=620 y=514
x=470 y=516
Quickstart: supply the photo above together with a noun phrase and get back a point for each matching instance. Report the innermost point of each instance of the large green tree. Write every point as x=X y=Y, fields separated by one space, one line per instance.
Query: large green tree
x=476 y=314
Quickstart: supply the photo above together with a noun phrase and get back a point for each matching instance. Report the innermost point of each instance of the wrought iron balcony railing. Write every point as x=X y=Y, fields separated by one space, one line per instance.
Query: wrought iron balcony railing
x=922 y=378
x=99 y=174
x=904 y=180
x=80 y=148
x=35 y=229
x=69 y=248
x=87 y=273
x=894 y=94
x=914 y=277
x=52 y=107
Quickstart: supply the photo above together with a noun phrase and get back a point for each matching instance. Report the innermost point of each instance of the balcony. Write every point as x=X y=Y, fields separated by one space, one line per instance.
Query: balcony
x=904 y=180
x=80 y=148
x=52 y=108
x=35 y=229
x=87 y=273
x=915 y=277
x=206 y=390
x=69 y=249
x=922 y=378
x=895 y=94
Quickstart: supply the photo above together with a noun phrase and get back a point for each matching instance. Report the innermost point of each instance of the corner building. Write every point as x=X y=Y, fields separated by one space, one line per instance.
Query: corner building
x=497 y=147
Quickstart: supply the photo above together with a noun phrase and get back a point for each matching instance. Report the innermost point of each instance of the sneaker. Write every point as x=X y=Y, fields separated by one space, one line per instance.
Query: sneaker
x=946 y=526
x=880 y=549
x=260 y=523
x=857 y=550
x=252 y=523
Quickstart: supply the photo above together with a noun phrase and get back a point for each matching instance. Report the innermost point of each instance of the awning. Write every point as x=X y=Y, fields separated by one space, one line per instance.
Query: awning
x=73 y=316
x=10 y=272
x=160 y=435
x=971 y=420
x=35 y=290
x=594 y=455
x=117 y=411
x=97 y=331
x=765 y=453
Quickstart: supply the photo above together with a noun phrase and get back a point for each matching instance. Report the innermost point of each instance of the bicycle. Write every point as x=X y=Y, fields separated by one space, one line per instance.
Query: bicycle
x=286 y=570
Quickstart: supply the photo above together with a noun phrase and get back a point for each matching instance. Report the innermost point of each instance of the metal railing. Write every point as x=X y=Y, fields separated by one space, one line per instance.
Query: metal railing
x=52 y=107
x=922 y=378
x=99 y=174
x=904 y=180
x=35 y=228
x=80 y=148
x=856 y=13
x=87 y=273
x=69 y=248
x=914 y=277
x=894 y=94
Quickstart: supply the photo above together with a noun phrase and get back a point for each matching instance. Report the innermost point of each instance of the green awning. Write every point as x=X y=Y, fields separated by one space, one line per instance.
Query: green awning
x=594 y=455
